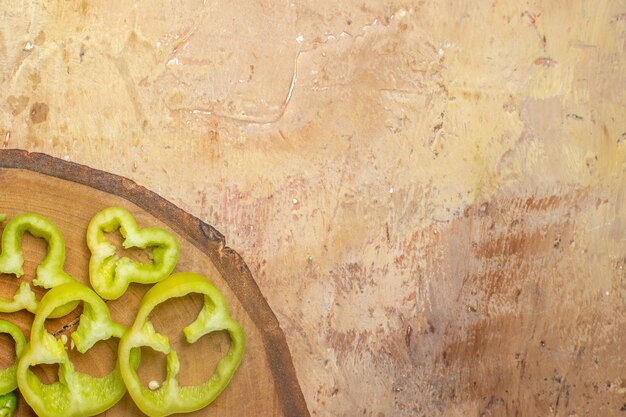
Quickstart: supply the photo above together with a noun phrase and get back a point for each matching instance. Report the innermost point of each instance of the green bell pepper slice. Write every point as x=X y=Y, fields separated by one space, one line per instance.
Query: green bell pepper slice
x=8 y=381
x=75 y=394
x=49 y=273
x=8 y=404
x=109 y=274
x=171 y=397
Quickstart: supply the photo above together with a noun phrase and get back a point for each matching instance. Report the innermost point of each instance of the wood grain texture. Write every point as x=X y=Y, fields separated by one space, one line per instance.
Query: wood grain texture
x=69 y=195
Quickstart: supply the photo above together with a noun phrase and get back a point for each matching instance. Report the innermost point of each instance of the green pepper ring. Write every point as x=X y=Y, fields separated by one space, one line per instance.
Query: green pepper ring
x=8 y=381
x=75 y=394
x=49 y=272
x=171 y=397
x=111 y=275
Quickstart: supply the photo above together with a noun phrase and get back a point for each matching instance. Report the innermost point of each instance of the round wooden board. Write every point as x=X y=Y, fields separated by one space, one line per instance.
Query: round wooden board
x=70 y=194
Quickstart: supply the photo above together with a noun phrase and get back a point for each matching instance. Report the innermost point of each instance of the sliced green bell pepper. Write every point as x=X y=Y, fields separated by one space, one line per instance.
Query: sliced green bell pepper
x=171 y=397
x=8 y=381
x=75 y=394
x=109 y=274
x=49 y=273
x=8 y=404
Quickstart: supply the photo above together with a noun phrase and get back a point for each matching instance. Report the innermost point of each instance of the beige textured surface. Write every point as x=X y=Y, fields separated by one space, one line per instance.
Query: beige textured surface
x=431 y=195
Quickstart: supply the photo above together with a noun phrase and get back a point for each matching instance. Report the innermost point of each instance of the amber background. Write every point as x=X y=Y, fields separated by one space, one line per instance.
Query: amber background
x=430 y=194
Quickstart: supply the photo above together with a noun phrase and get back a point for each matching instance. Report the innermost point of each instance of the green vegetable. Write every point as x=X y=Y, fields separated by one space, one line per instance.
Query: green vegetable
x=49 y=273
x=75 y=394
x=78 y=394
x=109 y=274
x=171 y=397
x=8 y=381
x=8 y=404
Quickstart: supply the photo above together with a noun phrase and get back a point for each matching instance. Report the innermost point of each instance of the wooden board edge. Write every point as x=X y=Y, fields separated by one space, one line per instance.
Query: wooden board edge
x=205 y=237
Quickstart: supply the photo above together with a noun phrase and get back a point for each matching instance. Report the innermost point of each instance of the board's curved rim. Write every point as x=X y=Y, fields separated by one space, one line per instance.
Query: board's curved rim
x=205 y=237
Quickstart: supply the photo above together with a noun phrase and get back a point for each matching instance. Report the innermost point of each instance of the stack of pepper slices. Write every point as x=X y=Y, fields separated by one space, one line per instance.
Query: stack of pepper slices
x=78 y=394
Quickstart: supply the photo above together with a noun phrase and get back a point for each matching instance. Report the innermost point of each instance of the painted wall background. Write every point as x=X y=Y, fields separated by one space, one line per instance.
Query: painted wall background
x=431 y=195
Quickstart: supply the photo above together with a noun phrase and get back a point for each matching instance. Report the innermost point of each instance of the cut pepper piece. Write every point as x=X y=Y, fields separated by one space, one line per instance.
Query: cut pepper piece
x=109 y=274
x=49 y=273
x=171 y=397
x=75 y=394
x=8 y=381
x=8 y=404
